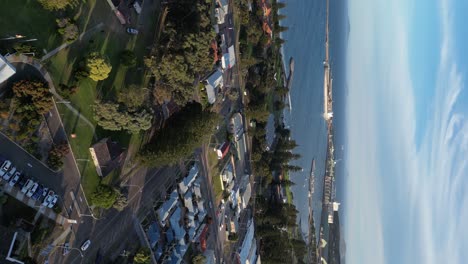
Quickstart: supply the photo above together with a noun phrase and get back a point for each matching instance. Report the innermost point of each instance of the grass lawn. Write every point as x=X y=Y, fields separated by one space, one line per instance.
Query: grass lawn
x=28 y=18
x=218 y=187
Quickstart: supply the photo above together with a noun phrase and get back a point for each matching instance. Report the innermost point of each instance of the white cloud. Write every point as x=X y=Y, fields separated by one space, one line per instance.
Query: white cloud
x=404 y=204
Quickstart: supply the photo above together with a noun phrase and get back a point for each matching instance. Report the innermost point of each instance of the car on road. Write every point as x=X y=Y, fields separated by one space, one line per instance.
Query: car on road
x=29 y=183
x=15 y=179
x=132 y=31
x=32 y=190
x=66 y=249
x=5 y=167
x=53 y=202
x=86 y=245
x=9 y=174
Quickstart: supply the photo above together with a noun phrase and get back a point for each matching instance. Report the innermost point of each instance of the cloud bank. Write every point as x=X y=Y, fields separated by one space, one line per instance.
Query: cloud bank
x=405 y=203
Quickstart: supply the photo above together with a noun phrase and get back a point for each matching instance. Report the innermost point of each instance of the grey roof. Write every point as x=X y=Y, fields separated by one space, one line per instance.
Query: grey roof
x=213 y=81
x=109 y=155
x=163 y=212
x=188 y=181
x=6 y=69
x=247 y=243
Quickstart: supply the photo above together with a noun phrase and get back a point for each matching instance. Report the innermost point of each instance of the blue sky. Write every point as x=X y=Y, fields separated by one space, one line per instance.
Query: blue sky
x=407 y=132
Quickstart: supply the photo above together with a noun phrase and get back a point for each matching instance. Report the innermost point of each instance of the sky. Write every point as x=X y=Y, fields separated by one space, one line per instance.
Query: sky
x=407 y=132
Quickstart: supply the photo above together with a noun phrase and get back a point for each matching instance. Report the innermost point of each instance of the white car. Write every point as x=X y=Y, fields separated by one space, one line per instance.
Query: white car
x=27 y=186
x=86 y=245
x=32 y=190
x=9 y=174
x=132 y=31
x=49 y=198
x=5 y=167
x=53 y=202
x=15 y=179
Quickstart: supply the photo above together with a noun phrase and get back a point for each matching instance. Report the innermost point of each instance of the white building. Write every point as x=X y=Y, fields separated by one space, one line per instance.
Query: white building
x=6 y=69
x=213 y=83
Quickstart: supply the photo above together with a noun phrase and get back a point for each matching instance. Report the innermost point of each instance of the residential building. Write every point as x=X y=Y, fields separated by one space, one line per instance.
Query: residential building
x=229 y=58
x=247 y=253
x=187 y=182
x=6 y=69
x=223 y=150
x=107 y=156
x=221 y=10
x=213 y=83
x=167 y=206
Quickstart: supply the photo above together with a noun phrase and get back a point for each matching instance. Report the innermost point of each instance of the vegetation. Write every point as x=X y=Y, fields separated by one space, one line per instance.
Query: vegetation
x=55 y=4
x=3 y=197
x=184 y=132
x=128 y=58
x=98 y=67
x=68 y=29
x=116 y=117
x=121 y=202
x=183 y=53
x=199 y=259
x=56 y=153
x=32 y=97
x=142 y=256
x=104 y=196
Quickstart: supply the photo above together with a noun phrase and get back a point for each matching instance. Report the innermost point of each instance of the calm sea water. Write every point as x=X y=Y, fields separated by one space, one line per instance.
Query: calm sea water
x=305 y=41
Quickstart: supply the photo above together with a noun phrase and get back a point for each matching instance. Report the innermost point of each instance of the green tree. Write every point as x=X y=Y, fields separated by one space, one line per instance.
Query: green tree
x=68 y=29
x=116 y=117
x=104 y=196
x=128 y=58
x=98 y=67
x=32 y=97
x=199 y=259
x=56 y=153
x=184 y=132
x=55 y=4
x=133 y=97
x=143 y=256
x=121 y=202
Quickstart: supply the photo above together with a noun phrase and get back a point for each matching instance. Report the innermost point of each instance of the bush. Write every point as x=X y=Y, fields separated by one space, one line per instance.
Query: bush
x=98 y=67
x=104 y=196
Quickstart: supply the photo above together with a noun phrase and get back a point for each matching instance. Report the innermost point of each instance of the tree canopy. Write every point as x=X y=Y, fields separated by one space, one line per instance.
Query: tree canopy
x=104 y=196
x=142 y=256
x=116 y=117
x=32 y=96
x=98 y=67
x=55 y=4
x=184 y=132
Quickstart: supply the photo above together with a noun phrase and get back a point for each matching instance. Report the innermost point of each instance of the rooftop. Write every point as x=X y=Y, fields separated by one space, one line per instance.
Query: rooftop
x=6 y=69
x=107 y=155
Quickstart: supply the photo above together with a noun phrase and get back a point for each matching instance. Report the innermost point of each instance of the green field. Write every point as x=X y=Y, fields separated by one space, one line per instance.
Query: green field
x=27 y=17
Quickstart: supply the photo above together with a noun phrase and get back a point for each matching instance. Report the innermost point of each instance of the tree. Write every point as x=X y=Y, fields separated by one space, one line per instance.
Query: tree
x=128 y=58
x=104 y=196
x=185 y=131
x=121 y=202
x=55 y=4
x=233 y=94
x=56 y=153
x=132 y=97
x=3 y=197
x=98 y=67
x=116 y=117
x=199 y=259
x=142 y=256
x=68 y=29
x=32 y=97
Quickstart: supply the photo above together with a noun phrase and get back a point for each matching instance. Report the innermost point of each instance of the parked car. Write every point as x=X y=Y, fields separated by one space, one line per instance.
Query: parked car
x=132 y=31
x=44 y=193
x=21 y=182
x=9 y=174
x=32 y=190
x=38 y=193
x=86 y=245
x=15 y=178
x=5 y=167
x=53 y=202
x=29 y=183
x=48 y=199
x=66 y=249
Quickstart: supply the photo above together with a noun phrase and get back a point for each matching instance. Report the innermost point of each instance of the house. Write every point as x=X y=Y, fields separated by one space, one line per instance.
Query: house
x=177 y=228
x=222 y=150
x=227 y=174
x=221 y=10
x=187 y=182
x=167 y=206
x=107 y=156
x=213 y=83
x=6 y=69
x=188 y=203
x=247 y=243
x=153 y=234
x=229 y=58
x=245 y=196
